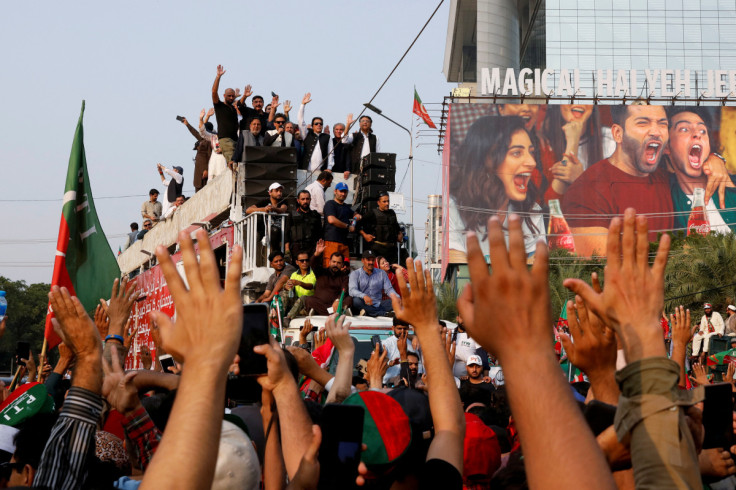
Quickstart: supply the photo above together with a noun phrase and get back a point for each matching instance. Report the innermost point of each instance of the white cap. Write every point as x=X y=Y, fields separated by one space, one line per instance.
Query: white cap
x=7 y=436
x=732 y=307
x=275 y=185
x=474 y=360
x=237 y=462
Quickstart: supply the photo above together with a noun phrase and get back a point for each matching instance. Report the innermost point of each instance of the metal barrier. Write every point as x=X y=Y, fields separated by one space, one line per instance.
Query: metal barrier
x=256 y=249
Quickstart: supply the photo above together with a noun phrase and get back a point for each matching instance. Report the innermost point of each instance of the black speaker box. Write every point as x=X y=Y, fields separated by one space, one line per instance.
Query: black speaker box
x=378 y=160
x=259 y=188
x=275 y=172
x=375 y=175
x=370 y=192
x=270 y=154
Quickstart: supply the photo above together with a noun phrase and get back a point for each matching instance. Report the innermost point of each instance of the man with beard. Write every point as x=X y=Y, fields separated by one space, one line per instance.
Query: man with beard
x=303 y=226
x=368 y=286
x=710 y=324
x=339 y=218
x=465 y=348
x=475 y=374
x=397 y=354
x=227 y=116
x=381 y=231
x=331 y=282
x=631 y=178
x=690 y=152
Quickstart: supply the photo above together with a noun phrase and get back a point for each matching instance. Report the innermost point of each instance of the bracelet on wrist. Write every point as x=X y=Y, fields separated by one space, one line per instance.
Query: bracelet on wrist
x=115 y=337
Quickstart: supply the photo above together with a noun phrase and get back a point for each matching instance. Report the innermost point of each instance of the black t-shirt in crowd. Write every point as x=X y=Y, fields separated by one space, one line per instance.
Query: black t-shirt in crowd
x=227 y=121
x=344 y=213
x=438 y=473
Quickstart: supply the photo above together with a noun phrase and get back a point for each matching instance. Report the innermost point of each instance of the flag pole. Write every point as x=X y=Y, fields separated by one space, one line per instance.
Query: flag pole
x=411 y=167
x=42 y=359
x=15 y=379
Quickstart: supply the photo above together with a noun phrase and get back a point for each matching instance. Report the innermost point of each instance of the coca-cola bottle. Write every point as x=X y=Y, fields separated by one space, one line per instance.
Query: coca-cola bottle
x=698 y=220
x=558 y=233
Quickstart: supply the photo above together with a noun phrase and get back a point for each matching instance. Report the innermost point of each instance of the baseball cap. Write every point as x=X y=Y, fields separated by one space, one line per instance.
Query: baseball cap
x=732 y=307
x=341 y=186
x=474 y=359
x=275 y=185
x=482 y=451
x=368 y=254
x=706 y=306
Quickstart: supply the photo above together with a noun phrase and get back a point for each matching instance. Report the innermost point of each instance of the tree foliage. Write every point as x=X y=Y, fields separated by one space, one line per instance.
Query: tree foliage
x=27 y=306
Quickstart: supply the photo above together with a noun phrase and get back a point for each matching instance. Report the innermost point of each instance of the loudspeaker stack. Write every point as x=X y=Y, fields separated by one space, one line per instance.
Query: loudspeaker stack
x=265 y=165
x=377 y=174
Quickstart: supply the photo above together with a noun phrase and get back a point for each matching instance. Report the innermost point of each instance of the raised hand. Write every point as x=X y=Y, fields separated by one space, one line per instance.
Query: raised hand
x=210 y=112
x=201 y=114
x=73 y=325
x=680 y=324
x=278 y=372
x=376 y=368
x=307 y=98
x=718 y=179
x=632 y=300
x=204 y=306
x=247 y=91
x=274 y=102
x=417 y=305
x=304 y=331
x=129 y=335
x=320 y=337
x=102 y=321
x=594 y=346
x=307 y=476
x=349 y=122
x=220 y=71
x=122 y=298
x=339 y=333
x=118 y=387
x=450 y=346
x=287 y=106
x=511 y=287
x=700 y=375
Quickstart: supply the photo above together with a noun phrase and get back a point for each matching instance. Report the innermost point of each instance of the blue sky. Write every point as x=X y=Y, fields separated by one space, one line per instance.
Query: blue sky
x=139 y=64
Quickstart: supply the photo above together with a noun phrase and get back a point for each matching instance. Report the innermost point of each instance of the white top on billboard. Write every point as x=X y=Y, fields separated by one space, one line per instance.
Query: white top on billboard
x=608 y=83
x=397 y=202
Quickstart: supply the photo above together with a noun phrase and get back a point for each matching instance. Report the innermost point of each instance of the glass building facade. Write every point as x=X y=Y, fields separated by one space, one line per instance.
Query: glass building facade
x=589 y=35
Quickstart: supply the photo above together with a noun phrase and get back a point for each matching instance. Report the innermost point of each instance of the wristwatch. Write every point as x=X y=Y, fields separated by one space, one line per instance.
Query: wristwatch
x=719 y=156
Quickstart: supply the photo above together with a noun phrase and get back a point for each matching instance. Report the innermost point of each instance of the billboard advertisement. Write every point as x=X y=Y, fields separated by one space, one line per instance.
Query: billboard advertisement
x=566 y=170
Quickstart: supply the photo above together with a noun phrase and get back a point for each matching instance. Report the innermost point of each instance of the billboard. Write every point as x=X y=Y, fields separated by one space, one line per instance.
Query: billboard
x=566 y=170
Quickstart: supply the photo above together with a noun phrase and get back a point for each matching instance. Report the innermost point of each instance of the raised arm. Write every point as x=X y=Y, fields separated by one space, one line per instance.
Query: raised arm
x=300 y=115
x=512 y=287
x=216 y=84
x=418 y=306
x=247 y=91
x=206 y=357
x=339 y=334
x=272 y=111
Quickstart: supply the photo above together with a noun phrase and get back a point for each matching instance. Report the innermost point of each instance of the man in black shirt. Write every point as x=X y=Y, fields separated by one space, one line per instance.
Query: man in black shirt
x=227 y=117
x=249 y=113
x=381 y=231
x=273 y=204
x=338 y=217
x=303 y=227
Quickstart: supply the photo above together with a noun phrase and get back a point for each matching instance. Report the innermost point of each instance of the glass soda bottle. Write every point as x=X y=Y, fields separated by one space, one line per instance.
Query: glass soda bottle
x=698 y=221
x=558 y=232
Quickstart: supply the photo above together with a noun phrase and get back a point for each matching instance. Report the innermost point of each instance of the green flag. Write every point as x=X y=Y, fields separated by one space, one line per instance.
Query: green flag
x=84 y=263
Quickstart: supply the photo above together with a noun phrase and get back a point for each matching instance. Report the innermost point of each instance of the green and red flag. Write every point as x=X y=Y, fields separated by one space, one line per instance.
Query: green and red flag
x=84 y=263
x=421 y=111
x=722 y=358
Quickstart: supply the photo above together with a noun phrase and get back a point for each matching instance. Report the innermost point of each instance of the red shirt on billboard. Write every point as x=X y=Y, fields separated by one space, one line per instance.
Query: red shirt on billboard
x=604 y=191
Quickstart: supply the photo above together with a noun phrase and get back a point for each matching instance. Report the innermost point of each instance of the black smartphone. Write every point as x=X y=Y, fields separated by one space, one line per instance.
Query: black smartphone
x=718 y=416
x=342 y=437
x=167 y=362
x=244 y=389
x=255 y=332
x=22 y=351
x=376 y=340
x=180 y=118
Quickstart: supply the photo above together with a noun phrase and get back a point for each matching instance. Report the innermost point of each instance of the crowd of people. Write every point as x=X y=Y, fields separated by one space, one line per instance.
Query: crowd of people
x=432 y=415
x=220 y=149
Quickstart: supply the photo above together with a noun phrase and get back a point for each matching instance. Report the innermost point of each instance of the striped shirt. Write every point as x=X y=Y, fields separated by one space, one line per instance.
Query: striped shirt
x=64 y=462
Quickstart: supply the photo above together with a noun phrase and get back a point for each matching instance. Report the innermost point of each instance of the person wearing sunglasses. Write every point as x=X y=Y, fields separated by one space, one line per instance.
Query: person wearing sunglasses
x=279 y=136
x=317 y=144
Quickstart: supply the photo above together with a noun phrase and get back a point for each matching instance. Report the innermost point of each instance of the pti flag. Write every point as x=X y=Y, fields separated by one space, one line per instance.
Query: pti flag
x=84 y=263
x=421 y=111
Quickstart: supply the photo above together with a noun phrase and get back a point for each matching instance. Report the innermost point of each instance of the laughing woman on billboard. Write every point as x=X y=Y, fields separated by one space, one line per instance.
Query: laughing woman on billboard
x=492 y=174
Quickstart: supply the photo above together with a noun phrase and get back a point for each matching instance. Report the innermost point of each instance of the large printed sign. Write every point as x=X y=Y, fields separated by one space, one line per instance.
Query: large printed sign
x=155 y=295
x=566 y=170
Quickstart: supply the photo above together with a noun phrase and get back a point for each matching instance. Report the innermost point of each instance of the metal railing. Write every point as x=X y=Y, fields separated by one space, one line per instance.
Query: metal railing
x=257 y=246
